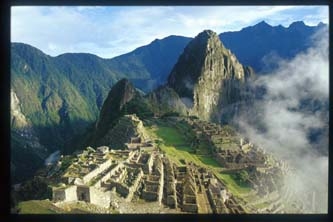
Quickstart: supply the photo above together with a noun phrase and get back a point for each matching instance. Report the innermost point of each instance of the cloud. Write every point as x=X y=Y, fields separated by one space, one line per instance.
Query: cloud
x=113 y=30
x=295 y=104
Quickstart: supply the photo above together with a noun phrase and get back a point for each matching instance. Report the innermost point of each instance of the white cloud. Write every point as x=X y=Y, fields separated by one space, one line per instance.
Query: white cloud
x=286 y=125
x=110 y=31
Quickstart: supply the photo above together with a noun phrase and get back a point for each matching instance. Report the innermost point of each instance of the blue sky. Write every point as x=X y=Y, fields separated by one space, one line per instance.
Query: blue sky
x=115 y=30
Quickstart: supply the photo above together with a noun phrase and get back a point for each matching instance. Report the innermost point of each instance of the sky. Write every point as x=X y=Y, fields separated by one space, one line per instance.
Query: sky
x=108 y=31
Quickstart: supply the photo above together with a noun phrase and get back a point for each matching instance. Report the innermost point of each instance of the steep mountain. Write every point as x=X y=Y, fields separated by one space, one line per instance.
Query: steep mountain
x=208 y=77
x=58 y=95
x=259 y=46
x=90 y=74
x=122 y=99
x=121 y=93
x=149 y=66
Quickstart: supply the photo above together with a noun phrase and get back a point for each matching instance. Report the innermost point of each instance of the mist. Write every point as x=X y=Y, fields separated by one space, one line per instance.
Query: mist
x=290 y=120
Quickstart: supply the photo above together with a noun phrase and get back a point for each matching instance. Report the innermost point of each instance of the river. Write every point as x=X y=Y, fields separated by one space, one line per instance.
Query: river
x=53 y=158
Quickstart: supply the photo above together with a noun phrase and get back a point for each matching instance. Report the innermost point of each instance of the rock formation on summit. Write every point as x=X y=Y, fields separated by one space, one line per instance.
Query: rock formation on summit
x=208 y=77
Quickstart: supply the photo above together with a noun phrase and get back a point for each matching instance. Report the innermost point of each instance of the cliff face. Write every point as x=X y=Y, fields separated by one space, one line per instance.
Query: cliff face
x=17 y=118
x=208 y=77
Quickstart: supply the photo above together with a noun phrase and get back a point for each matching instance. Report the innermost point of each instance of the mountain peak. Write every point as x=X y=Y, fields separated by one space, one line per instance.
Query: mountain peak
x=297 y=24
x=257 y=27
x=201 y=73
x=123 y=82
x=120 y=94
x=263 y=24
x=321 y=24
x=205 y=35
x=189 y=66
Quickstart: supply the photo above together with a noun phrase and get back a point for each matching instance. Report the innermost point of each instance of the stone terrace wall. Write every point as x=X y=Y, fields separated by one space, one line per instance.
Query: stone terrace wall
x=100 y=198
x=71 y=194
x=135 y=185
x=149 y=196
x=97 y=171
x=192 y=208
x=58 y=194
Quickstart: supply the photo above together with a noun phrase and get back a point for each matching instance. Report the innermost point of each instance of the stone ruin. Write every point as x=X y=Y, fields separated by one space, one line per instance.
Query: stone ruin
x=148 y=175
x=153 y=183
x=235 y=153
x=228 y=149
x=169 y=189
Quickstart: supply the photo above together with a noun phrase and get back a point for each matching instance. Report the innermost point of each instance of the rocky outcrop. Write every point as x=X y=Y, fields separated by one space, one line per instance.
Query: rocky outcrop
x=18 y=120
x=27 y=153
x=208 y=77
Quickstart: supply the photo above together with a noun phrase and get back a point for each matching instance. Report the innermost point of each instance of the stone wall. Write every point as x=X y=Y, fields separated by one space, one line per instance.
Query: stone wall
x=171 y=201
x=119 y=174
x=71 y=194
x=220 y=159
x=122 y=189
x=64 y=194
x=97 y=171
x=107 y=176
x=190 y=199
x=161 y=184
x=169 y=184
x=131 y=155
x=100 y=198
x=149 y=196
x=83 y=193
x=150 y=164
x=58 y=194
x=192 y=208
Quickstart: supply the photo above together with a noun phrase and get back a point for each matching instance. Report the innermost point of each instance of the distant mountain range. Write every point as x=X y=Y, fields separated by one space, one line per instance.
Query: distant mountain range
x=59 y=97
x=256 y=46
x=259 y=45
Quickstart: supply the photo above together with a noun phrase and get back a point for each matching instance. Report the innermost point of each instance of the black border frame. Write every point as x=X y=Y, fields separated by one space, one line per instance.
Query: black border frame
x=5 y=119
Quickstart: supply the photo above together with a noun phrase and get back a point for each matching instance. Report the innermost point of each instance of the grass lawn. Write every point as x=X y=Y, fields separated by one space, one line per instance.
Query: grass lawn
x=209 y=161
x=171 y=136
x=38 y=207
x=233 y=186
x=176 y=146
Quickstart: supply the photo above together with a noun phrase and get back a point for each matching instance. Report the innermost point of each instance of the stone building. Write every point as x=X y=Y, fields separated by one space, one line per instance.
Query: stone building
x=82 y=193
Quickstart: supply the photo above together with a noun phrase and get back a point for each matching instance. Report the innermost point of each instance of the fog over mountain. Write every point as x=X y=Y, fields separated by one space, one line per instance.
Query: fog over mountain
x=291 y=120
